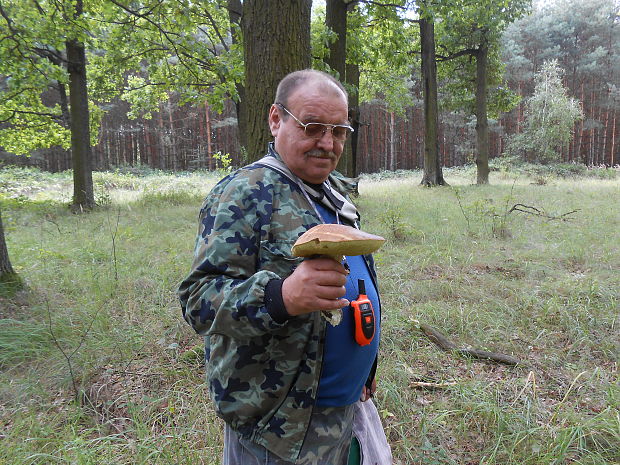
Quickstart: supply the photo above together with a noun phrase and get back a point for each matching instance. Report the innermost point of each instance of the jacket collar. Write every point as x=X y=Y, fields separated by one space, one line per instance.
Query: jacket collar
x=324 y=193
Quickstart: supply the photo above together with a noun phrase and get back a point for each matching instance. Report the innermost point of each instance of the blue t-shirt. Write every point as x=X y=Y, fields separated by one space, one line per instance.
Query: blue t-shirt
x=346 y=364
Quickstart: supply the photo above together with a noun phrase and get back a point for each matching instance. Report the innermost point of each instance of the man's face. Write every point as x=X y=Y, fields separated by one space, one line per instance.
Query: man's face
x=310 y=159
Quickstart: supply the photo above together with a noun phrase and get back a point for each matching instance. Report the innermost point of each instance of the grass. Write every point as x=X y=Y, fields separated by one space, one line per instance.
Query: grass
x=97 y=365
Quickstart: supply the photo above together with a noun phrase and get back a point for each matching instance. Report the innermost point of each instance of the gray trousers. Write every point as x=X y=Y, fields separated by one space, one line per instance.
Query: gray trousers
x=360 y=419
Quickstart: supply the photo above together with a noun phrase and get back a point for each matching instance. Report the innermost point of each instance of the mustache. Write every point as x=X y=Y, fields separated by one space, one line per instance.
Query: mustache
x=318 y=153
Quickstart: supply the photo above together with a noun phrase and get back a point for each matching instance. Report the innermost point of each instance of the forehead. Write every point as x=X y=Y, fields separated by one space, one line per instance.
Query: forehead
x=319 y=101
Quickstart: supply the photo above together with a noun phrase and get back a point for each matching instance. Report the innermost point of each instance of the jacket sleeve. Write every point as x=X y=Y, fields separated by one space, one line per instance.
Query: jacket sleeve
x=224 y=292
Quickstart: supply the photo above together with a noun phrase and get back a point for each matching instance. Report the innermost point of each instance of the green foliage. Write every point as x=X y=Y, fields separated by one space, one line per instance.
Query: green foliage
x=379 y=40
x=487 y=216
x=10 y=284
x=22 y=184
x=550 y=116
x=386 y=174
x=22 y=341
x=32 y=62
x=582 y=37
x=462 y=30
x=33 y=126
x=516 y=167
x=320 y=38
x=177 y=46
x=170 y=197
x=102 y=194
x=393 y=221
x=141 y=53
x=224 y=161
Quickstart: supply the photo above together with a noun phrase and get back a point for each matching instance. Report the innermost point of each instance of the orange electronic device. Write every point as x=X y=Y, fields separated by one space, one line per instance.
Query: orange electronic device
x=364 y=316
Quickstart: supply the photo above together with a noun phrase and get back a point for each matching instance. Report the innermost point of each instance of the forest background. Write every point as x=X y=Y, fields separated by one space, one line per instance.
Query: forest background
x=518 y=256
x=174 y=109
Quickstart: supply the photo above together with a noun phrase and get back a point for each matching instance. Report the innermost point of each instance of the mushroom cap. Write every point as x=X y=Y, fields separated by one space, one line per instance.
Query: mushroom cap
x=335 y=240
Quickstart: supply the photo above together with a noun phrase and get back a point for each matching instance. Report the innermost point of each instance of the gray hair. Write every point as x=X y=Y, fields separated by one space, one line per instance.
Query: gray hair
x=292 y=81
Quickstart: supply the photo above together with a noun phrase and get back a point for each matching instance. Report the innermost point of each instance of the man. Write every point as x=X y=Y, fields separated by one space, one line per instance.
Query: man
x=286 y=383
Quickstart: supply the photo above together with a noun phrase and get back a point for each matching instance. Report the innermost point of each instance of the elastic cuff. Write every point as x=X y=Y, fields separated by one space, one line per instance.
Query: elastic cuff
x=274 y=303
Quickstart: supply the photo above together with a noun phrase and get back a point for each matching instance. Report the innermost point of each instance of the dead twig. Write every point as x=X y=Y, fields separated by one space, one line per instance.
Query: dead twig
x=426 y=385
x=519 y=207
x=67 y=356
x=113 y=234
x=447 y=345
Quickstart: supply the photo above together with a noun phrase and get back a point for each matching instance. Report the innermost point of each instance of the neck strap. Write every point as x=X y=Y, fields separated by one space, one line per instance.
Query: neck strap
x=326 y=196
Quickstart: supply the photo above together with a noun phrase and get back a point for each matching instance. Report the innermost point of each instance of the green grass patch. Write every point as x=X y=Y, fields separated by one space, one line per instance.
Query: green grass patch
x=97 y=365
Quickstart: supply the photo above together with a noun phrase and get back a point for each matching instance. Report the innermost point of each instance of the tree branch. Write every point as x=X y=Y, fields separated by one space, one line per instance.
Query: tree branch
x=395 y=5
x=14 y=113
x=164 y=33
x=21 y=91
x=449 y=346
x=52 y=55
x=519 y=207
x=38 y=7
x=216 y=29
x=7 y=18
x=467 y=51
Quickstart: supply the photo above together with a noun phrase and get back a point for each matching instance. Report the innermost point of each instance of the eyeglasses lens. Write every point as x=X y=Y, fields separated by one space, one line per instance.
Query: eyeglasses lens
x=340 y=133
x=316 y=131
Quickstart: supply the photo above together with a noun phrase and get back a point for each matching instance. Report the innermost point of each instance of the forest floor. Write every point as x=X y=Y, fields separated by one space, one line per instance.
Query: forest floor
x=98 y=366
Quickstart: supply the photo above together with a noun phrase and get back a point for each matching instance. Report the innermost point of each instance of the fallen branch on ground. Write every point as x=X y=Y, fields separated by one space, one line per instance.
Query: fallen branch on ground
x=519 y=207
x=426 y=385
x=449 y=346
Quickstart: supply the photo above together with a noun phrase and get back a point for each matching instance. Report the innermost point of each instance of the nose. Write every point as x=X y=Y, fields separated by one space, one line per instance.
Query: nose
x=326 y=142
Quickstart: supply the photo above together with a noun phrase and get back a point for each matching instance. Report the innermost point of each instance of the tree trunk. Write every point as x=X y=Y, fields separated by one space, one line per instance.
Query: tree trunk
x=433 y=175
x=276 y=37
x=581 y=130
x=336 y=20
x=482 y=125
x=605 y=130
x=520 y=110
x=385 y=141
x=392 y=165
x=613 y=141
x=173 y=141
x=7 y=273
x=161 y=137
x=235 y=10
x=81 y=153
x=209 y=155
x=353 y=79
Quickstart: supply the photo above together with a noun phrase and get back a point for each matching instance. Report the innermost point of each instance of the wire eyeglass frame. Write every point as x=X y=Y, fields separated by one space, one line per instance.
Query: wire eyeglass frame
x=318 y=130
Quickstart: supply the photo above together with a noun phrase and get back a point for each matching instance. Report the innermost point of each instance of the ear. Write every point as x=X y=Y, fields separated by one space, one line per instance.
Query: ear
x=274 y=120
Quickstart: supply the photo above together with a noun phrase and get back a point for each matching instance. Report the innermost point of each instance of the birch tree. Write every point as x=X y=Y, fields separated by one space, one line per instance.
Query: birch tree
x=550 y=116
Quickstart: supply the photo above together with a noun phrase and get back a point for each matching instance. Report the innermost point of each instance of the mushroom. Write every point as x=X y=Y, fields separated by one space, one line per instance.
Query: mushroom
x=335 y=241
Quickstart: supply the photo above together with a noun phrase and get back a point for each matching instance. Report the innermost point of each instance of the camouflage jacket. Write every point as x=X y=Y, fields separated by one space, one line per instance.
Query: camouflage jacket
x=263 y=374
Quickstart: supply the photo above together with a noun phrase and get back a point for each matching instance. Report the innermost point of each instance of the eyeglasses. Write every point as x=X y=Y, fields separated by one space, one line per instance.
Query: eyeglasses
x=340 y=132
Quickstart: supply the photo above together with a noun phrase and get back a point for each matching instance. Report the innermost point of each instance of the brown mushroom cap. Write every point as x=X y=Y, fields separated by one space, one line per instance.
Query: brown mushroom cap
x=336 y=240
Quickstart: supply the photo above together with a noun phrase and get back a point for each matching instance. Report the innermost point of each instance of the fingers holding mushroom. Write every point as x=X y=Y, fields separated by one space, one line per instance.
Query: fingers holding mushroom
x=334 y=241
x=315 y=285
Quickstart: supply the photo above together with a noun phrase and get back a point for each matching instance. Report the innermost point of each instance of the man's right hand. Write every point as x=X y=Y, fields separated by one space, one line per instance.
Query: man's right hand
x=317 y=284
